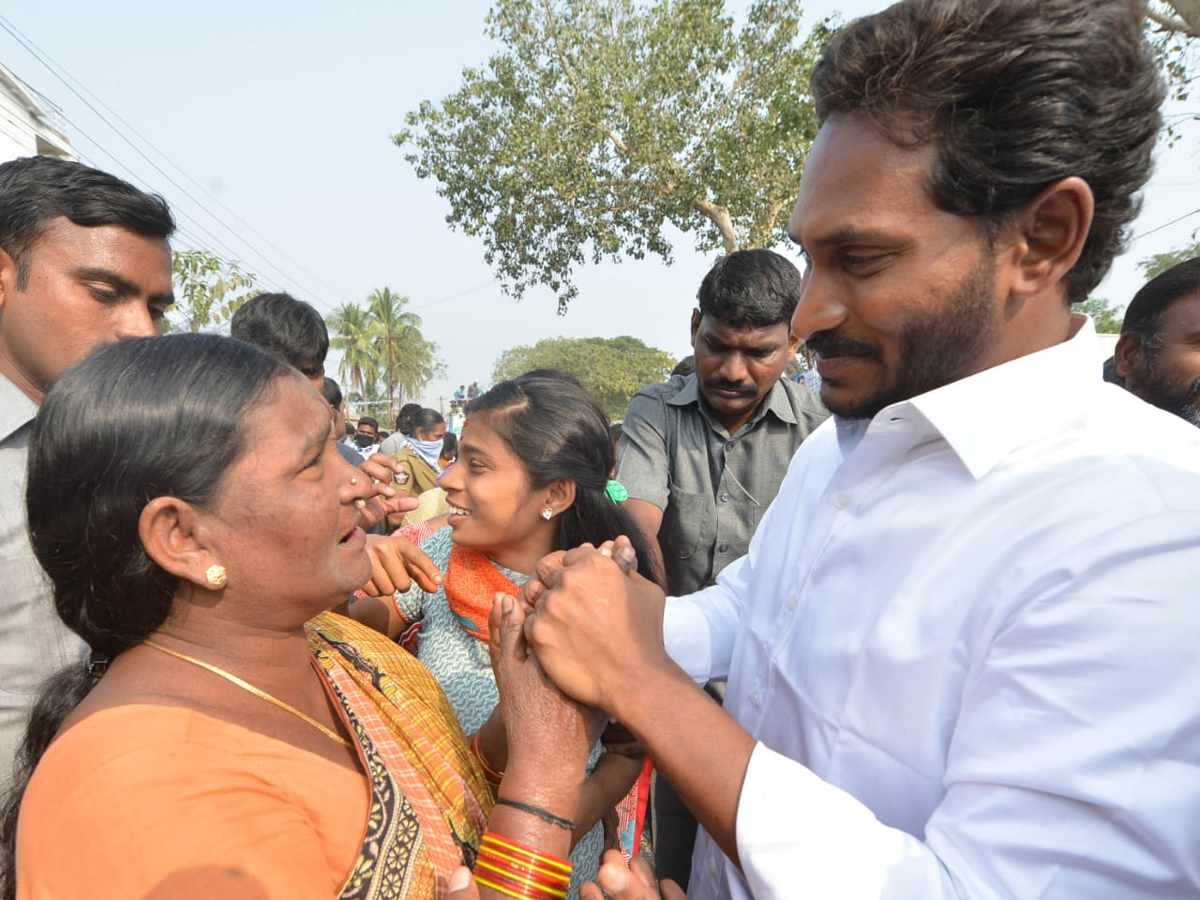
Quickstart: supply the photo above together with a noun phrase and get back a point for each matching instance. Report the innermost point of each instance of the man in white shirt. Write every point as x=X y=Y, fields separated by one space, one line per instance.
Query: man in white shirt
x=962 y=648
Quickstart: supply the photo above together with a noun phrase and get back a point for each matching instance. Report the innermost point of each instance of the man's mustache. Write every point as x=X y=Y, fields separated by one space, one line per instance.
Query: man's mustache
x=829 y=344
x=720 y=384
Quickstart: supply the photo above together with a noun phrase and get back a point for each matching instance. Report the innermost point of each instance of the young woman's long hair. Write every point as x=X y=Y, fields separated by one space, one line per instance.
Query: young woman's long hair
x=557 y=430
x=139 y=419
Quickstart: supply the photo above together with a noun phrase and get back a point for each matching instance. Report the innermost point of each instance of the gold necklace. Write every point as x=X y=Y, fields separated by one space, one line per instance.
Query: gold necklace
x=257 y=692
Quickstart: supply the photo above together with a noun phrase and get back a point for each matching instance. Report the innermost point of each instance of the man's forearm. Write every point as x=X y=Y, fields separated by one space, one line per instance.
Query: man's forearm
x=694 y=744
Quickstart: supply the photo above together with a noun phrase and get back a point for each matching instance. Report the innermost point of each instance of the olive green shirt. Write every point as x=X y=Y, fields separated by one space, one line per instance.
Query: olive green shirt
x=712 y=487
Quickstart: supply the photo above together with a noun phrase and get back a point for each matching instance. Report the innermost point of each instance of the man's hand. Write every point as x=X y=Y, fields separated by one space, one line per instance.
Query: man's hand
x=396 y=564
x=593 y=626
x=632 y=882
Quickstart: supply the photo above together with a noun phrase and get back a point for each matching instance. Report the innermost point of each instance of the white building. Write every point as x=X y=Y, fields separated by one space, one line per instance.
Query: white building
x=29 y=124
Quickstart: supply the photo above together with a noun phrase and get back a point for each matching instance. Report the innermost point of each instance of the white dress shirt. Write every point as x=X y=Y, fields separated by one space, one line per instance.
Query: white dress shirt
x=967 y=638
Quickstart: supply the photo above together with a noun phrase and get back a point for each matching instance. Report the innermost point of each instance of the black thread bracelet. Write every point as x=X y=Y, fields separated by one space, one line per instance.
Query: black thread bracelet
x=546 y=816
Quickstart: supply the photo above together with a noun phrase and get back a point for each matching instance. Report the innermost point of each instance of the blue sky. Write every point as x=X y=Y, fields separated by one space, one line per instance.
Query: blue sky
x=282 y=111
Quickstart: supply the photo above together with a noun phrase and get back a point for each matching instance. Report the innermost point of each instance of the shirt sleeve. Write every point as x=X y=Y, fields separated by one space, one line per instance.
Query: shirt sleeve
x=643 y=462
x=1073 y=769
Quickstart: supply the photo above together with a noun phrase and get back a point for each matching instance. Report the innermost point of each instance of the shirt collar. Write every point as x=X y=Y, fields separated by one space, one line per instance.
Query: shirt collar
x=16 y=409
x=775 y=402
x=985 y=416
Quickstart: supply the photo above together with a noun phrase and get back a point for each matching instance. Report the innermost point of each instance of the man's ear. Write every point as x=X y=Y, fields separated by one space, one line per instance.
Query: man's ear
x=696 y=317
x=1128 y=354
x=8 y=277
x=793 y=341
x=1049 y=235
x=560 y=494
x=170 y=531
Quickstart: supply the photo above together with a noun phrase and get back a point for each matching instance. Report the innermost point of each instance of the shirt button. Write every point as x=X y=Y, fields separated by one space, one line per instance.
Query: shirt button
x=721 y=548
x=841 y=500
x=729 y=446
x=712 y=866
x=793 y=600
x=756 y=698
x=724 y=498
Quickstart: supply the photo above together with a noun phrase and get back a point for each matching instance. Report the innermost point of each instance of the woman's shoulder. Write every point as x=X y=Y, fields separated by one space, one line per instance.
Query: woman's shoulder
x=194 y=794
x=153 y=744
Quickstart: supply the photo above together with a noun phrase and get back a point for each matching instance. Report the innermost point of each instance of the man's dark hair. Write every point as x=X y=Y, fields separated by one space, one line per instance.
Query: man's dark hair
x=369 y=420
x=35 y=190
x=1143 y=318
x=332 y=392
x=1014 y=95
x=284 y=325
x=750 y=289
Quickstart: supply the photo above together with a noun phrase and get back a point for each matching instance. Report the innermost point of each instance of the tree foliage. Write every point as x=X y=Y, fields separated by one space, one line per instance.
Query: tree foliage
x=208 y=290
x=1160 y=262
x=601 y=125
x=611 y=369
x=385 y=356
x=1107 y=316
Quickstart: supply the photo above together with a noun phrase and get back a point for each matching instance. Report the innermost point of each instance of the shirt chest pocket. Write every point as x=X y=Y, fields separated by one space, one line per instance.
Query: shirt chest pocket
x=690 y=523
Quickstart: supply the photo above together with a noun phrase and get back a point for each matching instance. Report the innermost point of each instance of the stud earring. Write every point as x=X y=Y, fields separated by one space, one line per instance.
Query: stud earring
x=547 y=513
x=354 y=481
x=216 y=576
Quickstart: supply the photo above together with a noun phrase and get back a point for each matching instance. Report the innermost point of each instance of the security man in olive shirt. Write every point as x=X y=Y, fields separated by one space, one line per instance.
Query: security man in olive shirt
x=703 y=455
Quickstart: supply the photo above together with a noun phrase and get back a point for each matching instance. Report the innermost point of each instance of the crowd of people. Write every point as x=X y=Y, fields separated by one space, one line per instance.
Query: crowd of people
x=930 y=635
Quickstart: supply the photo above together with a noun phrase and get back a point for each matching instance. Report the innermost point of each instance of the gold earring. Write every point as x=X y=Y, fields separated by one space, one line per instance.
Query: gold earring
x=216 y=576
x=547 y=513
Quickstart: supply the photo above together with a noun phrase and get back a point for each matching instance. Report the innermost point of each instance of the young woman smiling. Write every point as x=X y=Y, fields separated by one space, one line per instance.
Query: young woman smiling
x=532 y=468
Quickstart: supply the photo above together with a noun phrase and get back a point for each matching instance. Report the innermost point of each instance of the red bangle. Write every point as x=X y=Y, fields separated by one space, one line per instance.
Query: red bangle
x=525 y=855
x=490 y=775
x=512 y=887
x=517 y=871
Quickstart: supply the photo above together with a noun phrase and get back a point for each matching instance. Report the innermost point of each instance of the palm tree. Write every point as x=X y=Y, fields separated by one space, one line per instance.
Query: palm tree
x=354 y=335
x=399 y=333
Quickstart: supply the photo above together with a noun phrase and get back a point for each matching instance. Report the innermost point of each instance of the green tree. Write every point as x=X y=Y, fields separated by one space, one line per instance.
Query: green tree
x=1107 y=317
x=602 y=126
x=353 y=335
x=385 y=356
x=1173 y=30
x=208 y=290
x=1160 y=262
x=612 y=369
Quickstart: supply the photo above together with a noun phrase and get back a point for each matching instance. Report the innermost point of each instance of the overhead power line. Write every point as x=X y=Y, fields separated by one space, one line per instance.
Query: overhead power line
x=62 y=75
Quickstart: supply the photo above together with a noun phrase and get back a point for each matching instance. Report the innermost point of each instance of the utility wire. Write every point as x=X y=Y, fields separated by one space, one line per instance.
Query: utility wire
x=12 y=28
x=1186 y=215
x=51 y=67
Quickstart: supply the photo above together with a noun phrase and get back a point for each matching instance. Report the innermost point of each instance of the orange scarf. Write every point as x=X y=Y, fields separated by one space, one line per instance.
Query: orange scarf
x=472 y=582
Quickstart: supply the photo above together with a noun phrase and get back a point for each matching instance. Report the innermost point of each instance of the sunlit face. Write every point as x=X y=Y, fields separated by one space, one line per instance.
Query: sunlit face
x=87 y=286
x=285 y=518
x=493 y=506
x=737 y=367
x=900 y=296
x=1168 y=375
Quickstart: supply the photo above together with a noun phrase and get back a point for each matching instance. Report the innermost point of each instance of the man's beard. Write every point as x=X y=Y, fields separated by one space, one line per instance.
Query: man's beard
x=1168 y=395
x=936 y=346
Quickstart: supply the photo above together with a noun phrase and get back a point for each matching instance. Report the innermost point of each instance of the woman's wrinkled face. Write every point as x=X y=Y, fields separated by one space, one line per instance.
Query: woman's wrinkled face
x=285 y=519
x=493 y=506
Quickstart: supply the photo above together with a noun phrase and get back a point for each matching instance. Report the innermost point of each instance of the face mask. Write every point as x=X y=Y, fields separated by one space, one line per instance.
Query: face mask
x=364 y=440
x=430 y=451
